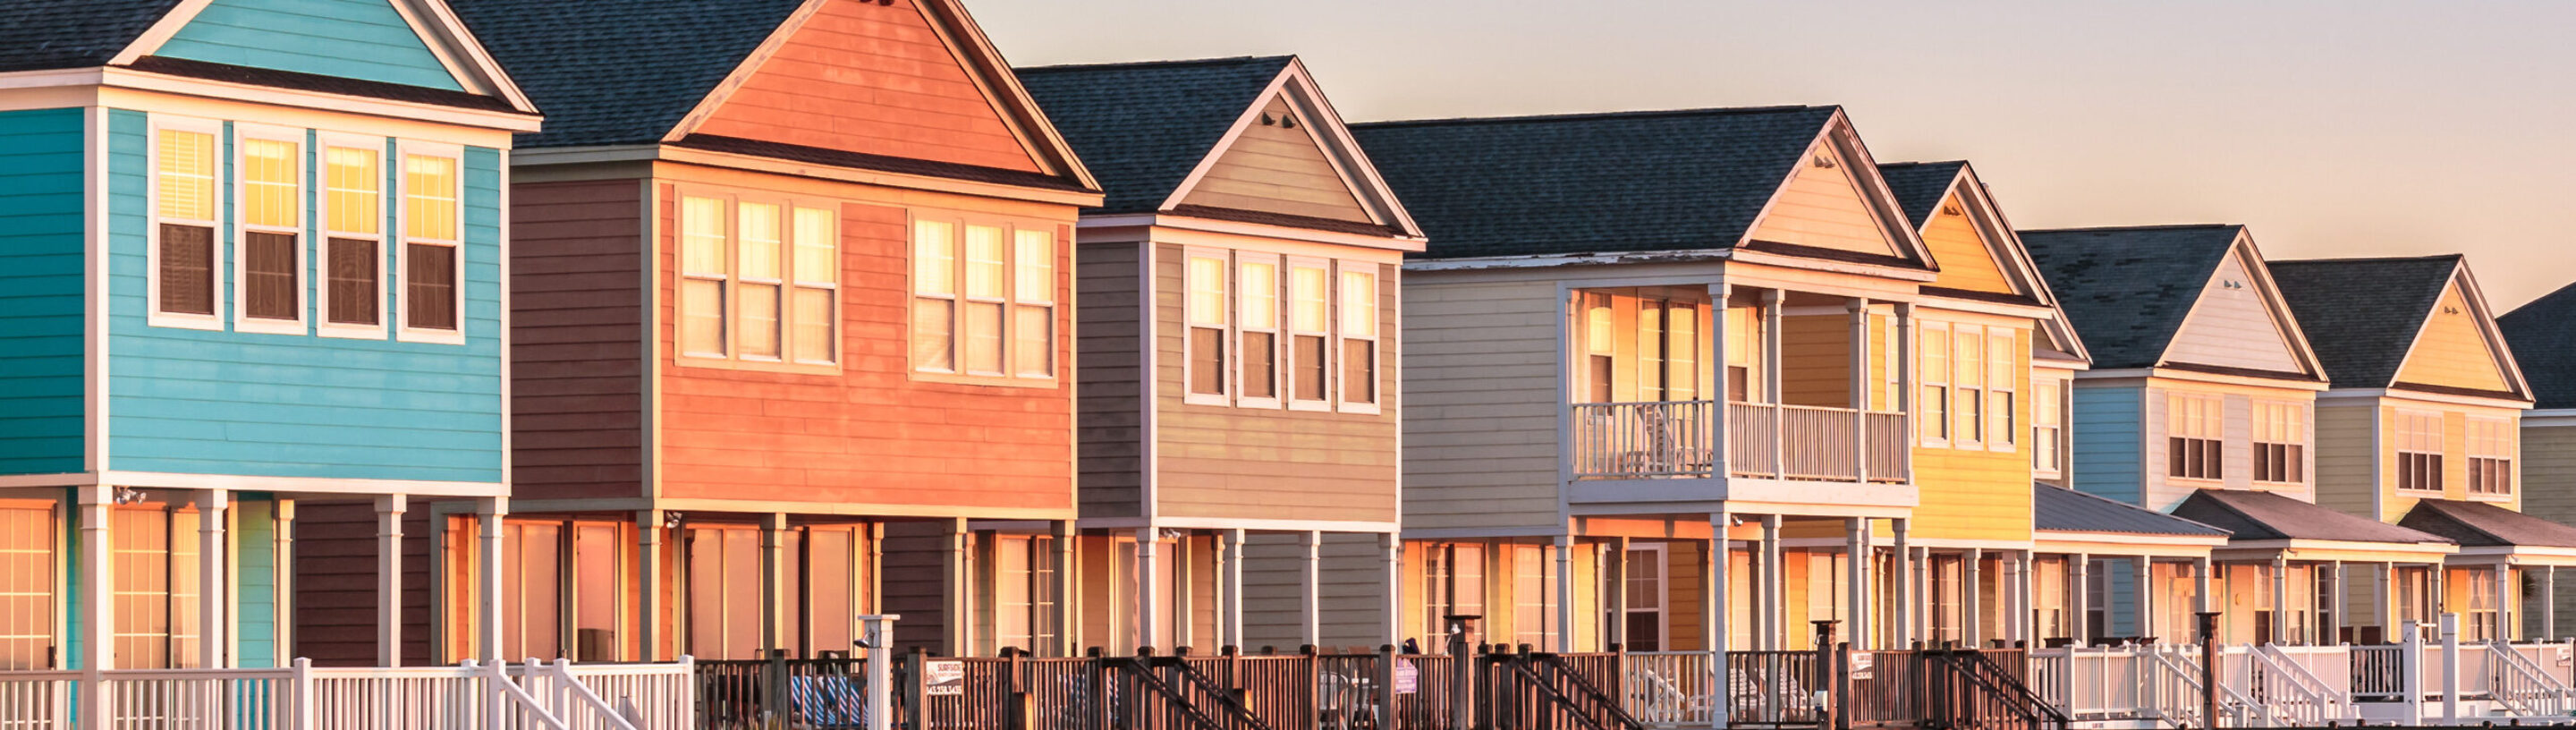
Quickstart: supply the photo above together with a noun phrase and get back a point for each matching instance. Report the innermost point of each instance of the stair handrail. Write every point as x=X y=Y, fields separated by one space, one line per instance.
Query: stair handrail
x=579 y=694
x=1519 y=666
x=1191 y=682
x=2288 y=694
x=1588 y=692
x=2521 y=685
x=2338 y=701
x=1984 y=671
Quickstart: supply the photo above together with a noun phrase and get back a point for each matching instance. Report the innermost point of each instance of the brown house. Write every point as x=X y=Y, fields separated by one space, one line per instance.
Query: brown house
x=793 y=304
x=1239 y=479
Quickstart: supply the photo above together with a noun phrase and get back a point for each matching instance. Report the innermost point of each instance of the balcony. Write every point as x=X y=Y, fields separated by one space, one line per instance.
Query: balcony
x=1684 y=440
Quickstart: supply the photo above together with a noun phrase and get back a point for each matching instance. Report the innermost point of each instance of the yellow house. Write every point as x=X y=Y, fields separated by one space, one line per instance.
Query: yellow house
x=2543 y=335
x=2422 y=429
x=2201 y=404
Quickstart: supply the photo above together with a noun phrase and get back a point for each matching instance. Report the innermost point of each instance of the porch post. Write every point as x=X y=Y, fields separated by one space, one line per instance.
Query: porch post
x=1149 y=591
x=213 y=586
x=1719 y=450
x=284 y=535
x=1234 y=585
x=1768 y=589
x=1714 y=616
x=1856 y=556
x=2200 y=584
x=2391 y=595
x=1772 y=302
x=1393 y=545
x=1184 y=609
x=2506 y=629
x=954 y=580
x=2549 y=603
x=1310 y=582
x=773 y=582
x=97 y=605
x=1971 y=615
x=1924 y=619
x=2009 y=593
x=2280 y=598
x=1614 y=591
x=648 y=584
x=1067 y=608
x=389 y=577
x=1860 y=394
x=2079 y=598
x=487 y=596
x=2342 y=602
x=1564 y=549
x=2146 y=588
x=1903 y=632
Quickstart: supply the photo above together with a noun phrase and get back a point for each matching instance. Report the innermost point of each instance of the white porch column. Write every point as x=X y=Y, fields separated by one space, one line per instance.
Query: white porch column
x=1923 y=620
x=1310 y=582
x=2549 y=603
x=1856 y=556
x=1972 y=615
x=2200 y=570
x=2079 y=576
x=774 y=631
x=1149 y=591
x=1860 y=392
x=2506 y=627
x=214 y=587
x=1614 y=590
x=2342 y=603
x=1719 y=451
x=1564 y=549
x=1769 y=606
x=1068 y=606
x=489 y=512
x=284 y=535
x=1714 y=598
x=648 y=584
x=97 y=599
x=389 y=577
x=955 y=584
x=1772 y=303
x=2390 y=600
x=1393 y=607
x=1234 y=585
x=2146 y=588
x=2008 y=591
x=1903 y=635
x=2280 y=599
x=1184 y=608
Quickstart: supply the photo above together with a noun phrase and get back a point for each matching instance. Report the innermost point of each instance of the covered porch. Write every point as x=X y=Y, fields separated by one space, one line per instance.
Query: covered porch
x=2107 y=572
x=2505 y=575
x=2285 y=575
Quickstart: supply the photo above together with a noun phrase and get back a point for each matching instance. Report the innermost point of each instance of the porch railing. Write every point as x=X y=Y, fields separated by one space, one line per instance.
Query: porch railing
x=468 y=696
x=1678 y=439
x=36 y=700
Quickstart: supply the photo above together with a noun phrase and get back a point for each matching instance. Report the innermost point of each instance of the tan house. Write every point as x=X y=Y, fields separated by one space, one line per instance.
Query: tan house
x=1239 y=336
x=2201 y=403
x=2422 y=429
x=2543 y=335
x=1665 y=352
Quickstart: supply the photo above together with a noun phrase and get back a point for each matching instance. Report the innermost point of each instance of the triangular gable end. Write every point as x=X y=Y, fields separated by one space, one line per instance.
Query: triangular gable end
x=1291 y=154
x=2458 y=347
x=357 y=39
x=1826 y=204
x=1997 y=262
x=2239 y=322
x=906 y=79
x=1966 y=256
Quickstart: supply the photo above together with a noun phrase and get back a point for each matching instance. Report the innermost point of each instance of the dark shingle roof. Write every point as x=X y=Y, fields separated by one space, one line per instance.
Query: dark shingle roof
x=2543 y=336
x=2128 y=289
x=2256 y=516
x=618 y=71
x=2065 y=510
x=2361 y=315
x=1633 y=181
x=48 y=34
x=1919 y=185
x=1141 y=127
x=2482 y=524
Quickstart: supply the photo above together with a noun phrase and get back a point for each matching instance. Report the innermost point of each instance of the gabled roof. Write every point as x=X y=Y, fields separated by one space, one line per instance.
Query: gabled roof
x=49 y=34
x=2129 y=289
x=2479 y=524
x=1920 y=185
x=2362 y=315
x=2058 y=509
x=2543 y=335
x=1143 y=126
x=619 y=71
x=2258 y=516
x=1682 y=180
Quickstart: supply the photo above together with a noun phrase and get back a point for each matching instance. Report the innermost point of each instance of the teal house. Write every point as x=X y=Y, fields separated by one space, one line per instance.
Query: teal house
x=251 y=256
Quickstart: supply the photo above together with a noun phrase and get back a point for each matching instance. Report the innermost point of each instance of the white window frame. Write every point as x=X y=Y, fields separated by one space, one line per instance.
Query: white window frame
x=959 y=297
x=1289 y=311
x=797 y=282
x=2217 y=404
x=2408 y=443
x=2048 y=414
x=789 y=281
x=241 y=229
x=681 y=278
x=321 y=201
x=1276 y=328
x=1338 y=386
x=2497 y=445
x=1925 y=379
x=2004 y=425
x=403 y=331
x=1011 y=351
x=2270 y=413
x=1971 y=435
x=1226 y=332
x=968 y=299
x=217 y=261
x=737 y=325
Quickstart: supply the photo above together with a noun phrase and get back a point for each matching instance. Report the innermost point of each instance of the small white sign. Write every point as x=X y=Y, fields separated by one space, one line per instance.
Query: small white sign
x=943 y=677
x=1861 y=662
x=1406 y=677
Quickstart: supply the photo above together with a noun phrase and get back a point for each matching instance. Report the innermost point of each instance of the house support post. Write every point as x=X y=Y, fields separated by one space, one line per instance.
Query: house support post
x=648 y=584
x=1392 y=605
x=1614 y=584
x=97 y=604
x=1564 y=549
x=2145 y=584
x=2549 y=603
x=1067 y=618
x=489 y=511
x=1774 y=300
x=1972 y=616
x=1234 y=586
x=2341 y=603
x=213 y=586
x=1860 y=397
x=1856 y=553
x=389 y=578
x=2280 y=601
x=1310 y=584
x=1149 y=589
x=773 y=584
x=1713 y=602
x=2079 y=597
x=1902 y=635
x=1714 y=366
x=1768 y=588
x=955 y=582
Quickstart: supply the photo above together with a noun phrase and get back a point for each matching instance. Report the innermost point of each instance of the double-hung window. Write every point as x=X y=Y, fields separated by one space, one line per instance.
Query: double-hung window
x=1453 y=585
x=2003 y=415
x=1935 y=400
x=1970 y=406
x=759 y=282
x=1257 y=284
x=185 y=198
x=2419 y=451
x=2280 y=442
x=2047 y=424
x=2491 y=442
x=353 y=224
x=1207 y=314
x=2195 y=431
x=1359 y=337
x=269 y=167
x=433 y=261
x=1310 y=324
x=983 y=300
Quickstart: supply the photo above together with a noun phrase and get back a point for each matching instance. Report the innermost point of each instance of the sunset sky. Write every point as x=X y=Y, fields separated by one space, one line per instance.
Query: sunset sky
x=2333 y=128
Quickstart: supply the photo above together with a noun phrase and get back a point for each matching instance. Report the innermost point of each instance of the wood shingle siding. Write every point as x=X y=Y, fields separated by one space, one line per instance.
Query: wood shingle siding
x=577 y=357
x=872 y=79
x=1480 y=431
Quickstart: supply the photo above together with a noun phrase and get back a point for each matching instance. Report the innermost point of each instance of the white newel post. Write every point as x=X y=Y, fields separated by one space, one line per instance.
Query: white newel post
x=389 y=578
x=1393 y=607
x=213 y=585
x=1860 y=395
x=1310 y=582
x=2450 y=628
x=2410 y=671
x=487 y=599
x=1149 y=591
x=878 y=632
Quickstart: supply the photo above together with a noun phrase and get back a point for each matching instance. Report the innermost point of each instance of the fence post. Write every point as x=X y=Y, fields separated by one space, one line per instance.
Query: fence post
x=2208 y=667
x=2450 y=627
x=307 y=710
x=1385 y=681
x=1462 y=676
x=918 y=711
x=1312 y=658
x=1825 y=697
x=876 y=635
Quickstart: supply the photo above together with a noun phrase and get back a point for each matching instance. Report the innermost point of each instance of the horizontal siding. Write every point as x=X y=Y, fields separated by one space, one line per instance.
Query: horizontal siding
x=1109 y=365
x=335 y=607
x=2454 y=349
x=1966 y=261
x=2549 y=491
x=577 y=347
x=1480 y=426
x=43 y=378
x=1277 y=169
x=873 y=79
x=2347 y=452
x=2232 y=326
x=2108 y=441
x=355 y=39
x=1823 y=207
x=191 y=401
x=1351 y=601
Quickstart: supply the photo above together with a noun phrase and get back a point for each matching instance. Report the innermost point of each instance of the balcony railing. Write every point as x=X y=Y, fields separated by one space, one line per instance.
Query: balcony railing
x=1677 y=439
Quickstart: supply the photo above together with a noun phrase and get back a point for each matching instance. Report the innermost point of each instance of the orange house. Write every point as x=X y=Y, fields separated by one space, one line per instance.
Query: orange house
x=793 y=335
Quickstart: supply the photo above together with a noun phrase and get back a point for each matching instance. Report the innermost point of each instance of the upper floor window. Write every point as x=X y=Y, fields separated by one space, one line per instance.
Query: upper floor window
x=983 y=300
x=1935 y=400
x=2491 y=449
x=2047 y=426
x=2196 y=426
x=1310 y=318
x=1257 y=303
x=1265 y=330
x=433 y=263
x=2280 y=442
x=759 y=280
x=270 y=172
x=2003 y=411
x=1970 y=406
x=1359 y=336
x=2419 y=451
x=1207 y=315
x=185 y=257
x=353 y=224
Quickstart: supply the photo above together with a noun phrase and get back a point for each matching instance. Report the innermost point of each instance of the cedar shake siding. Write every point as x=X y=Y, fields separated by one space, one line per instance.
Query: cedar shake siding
x=577 y=360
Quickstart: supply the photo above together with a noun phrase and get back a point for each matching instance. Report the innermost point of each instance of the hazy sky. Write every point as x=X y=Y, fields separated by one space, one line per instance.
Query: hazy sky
x=2344 y=128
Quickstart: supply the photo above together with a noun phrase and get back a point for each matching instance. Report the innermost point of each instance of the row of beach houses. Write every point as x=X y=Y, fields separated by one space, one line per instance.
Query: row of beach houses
x=411 y=333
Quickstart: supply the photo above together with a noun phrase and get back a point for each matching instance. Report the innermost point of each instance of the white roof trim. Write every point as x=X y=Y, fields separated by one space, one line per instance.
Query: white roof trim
x=432 y=21
x=2487 y=329
x=1996 y=231
x=1883 y=206
x=1359 y=176
x=2250 y=258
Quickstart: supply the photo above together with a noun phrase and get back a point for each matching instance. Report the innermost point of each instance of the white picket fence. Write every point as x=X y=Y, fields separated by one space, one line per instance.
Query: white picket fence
x=468 y=696
x=2309 y=686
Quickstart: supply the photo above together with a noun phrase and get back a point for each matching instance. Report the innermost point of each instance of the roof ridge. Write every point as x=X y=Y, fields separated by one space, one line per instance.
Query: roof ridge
x=1576 y=116
x=2168 y=515
x=1211 y=61
x=1921 y=163
x=2157 y=227
x=2368 y=259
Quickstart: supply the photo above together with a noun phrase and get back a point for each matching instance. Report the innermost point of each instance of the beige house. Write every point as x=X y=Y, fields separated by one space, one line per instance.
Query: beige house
x=1238 y=346
x=2543 y=335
